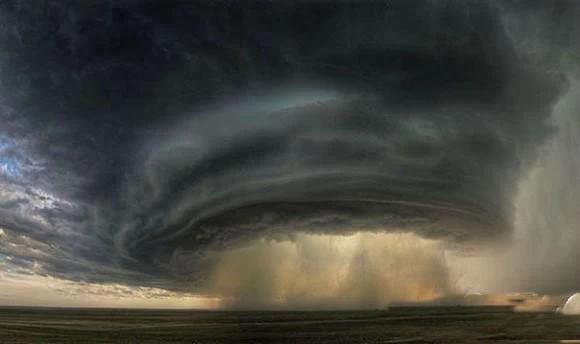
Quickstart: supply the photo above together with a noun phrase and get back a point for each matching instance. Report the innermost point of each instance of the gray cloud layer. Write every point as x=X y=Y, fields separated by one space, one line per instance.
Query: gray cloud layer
x=138 y=137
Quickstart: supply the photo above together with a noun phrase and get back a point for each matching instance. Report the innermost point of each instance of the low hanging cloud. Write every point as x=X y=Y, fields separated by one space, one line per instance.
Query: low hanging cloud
x=141 y=142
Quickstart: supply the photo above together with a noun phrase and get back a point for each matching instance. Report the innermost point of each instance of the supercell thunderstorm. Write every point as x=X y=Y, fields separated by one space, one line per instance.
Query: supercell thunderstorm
x=137 y=139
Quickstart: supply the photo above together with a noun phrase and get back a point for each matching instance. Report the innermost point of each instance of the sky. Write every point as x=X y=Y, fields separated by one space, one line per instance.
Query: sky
x=287 y=154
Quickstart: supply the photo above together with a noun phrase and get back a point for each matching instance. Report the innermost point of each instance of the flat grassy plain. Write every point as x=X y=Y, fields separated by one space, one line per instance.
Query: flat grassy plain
x=402 y=325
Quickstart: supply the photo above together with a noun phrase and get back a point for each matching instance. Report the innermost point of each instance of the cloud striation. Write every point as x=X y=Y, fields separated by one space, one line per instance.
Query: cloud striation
x=139 y=140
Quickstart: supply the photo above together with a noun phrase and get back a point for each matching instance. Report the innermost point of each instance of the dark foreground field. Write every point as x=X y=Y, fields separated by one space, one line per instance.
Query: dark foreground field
x=435 y=325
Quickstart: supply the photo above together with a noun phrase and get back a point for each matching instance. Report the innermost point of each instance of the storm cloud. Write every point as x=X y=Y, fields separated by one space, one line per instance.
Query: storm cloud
x=140 y=138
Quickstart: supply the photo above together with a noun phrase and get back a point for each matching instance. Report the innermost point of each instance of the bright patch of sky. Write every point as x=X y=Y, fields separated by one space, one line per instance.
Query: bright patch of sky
x=9 y=165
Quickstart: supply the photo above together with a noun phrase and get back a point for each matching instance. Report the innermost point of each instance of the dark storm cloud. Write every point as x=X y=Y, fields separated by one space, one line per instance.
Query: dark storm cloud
x=141 y=135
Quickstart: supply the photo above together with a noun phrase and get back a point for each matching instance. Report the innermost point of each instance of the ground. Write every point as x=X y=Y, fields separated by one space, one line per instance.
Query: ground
x=403 y=325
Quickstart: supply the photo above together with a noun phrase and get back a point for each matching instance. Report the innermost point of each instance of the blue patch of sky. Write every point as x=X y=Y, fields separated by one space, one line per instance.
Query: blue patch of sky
x=9 y=165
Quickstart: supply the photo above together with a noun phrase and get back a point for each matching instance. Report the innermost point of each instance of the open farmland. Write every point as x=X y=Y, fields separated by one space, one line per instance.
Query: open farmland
x=403 y=325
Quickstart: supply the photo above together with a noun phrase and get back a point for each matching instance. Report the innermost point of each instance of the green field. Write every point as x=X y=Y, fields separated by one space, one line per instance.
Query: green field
x=403 y=325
